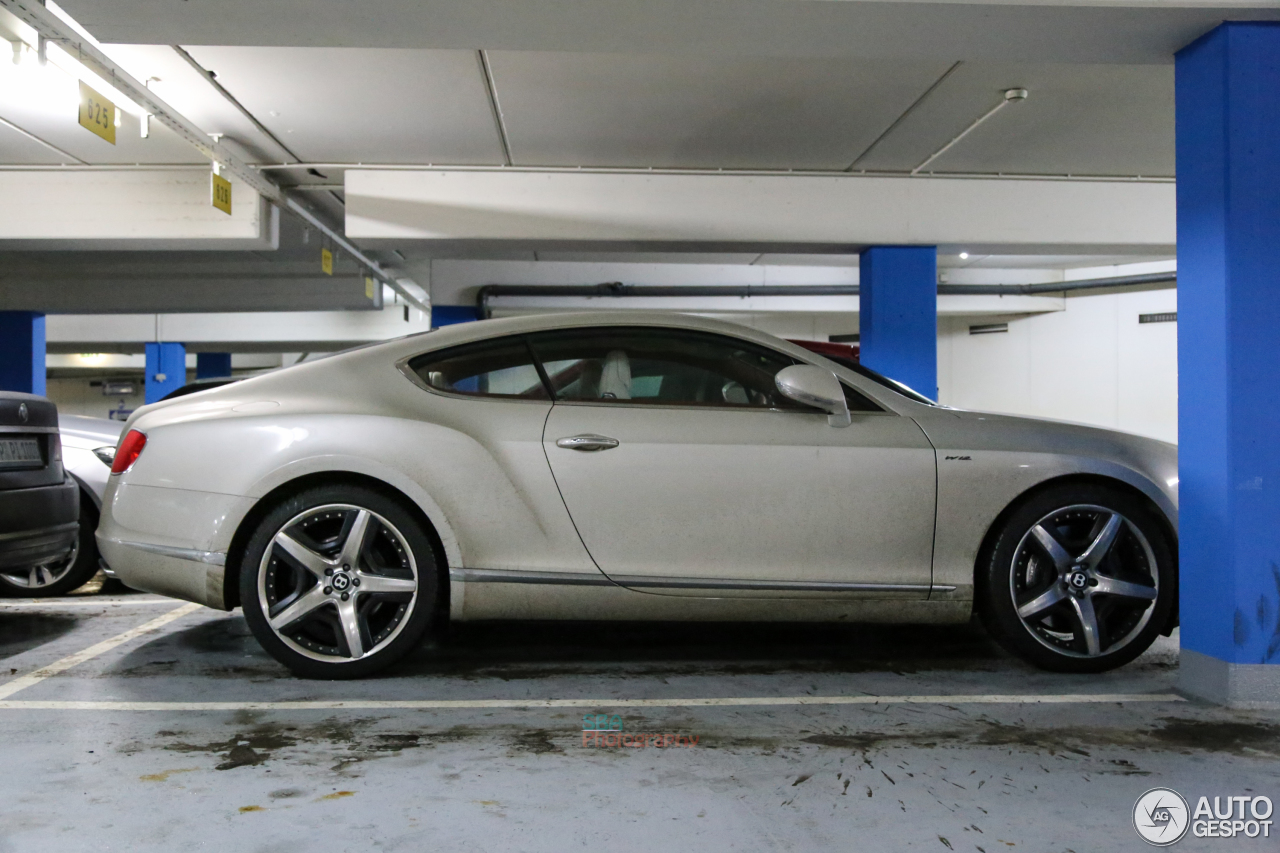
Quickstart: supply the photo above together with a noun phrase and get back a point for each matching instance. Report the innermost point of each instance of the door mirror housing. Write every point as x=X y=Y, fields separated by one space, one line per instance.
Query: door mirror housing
x=815 y=387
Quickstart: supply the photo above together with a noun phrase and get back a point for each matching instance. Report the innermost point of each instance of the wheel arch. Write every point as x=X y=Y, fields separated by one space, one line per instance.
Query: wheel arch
x=993 y=530
x=87 y=493
x=281 y=493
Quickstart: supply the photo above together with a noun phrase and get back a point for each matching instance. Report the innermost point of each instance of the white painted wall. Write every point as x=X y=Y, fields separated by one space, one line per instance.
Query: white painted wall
x=1091 y=363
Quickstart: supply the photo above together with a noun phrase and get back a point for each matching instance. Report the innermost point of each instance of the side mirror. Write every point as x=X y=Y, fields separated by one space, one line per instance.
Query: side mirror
x=815 y=387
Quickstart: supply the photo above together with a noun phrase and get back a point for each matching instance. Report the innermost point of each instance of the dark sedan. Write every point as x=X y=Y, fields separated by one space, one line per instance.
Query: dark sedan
x=39 y=501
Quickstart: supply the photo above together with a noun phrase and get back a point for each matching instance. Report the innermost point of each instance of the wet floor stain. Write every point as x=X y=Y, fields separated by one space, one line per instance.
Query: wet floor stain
x=538 y=742
x=336 y=795
x=247 y=809
x=1235 y=737
x=351 y=741
x=241 y=756
x=286 y=793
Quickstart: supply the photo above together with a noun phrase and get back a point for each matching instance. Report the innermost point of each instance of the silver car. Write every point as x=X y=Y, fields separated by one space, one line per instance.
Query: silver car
x=629 y=466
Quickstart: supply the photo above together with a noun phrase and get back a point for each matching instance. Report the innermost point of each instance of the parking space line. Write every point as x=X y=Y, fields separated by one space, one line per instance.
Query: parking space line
x=23 y=682
x=464 y=704
x=47 y=603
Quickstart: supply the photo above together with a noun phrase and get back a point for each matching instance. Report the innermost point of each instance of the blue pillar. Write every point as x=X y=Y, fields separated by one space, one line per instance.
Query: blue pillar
x=1228 y=160
x=448 y=315
x=22 y=352
x=166 y=369
x=213 y=365
x=899 y=314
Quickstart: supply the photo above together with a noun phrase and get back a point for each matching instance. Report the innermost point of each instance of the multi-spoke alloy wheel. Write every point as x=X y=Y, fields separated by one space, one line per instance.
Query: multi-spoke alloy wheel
x=1080 y=580
x=342 y=583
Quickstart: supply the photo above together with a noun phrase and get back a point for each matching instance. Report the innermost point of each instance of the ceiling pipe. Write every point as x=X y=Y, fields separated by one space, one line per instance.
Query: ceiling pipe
x=1010 y=96
x=617 y=290
x=766 y=173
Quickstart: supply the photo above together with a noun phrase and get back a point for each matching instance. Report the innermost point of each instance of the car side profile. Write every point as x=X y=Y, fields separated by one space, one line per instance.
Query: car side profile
x=627 y=466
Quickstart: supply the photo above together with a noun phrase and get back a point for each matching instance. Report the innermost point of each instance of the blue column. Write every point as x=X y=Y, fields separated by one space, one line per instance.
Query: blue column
x=166 y=369
x=899 y=314
x=22 y=352
x=213 y=365
x=1228 y=160
x=448 y=315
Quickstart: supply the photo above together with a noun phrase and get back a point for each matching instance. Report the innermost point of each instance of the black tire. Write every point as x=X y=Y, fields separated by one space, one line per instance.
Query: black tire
x=62 y=576
x=344 y=603
x=1037 y=601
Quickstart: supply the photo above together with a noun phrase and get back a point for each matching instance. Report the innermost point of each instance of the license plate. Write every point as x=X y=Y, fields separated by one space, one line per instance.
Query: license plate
x=20 y=453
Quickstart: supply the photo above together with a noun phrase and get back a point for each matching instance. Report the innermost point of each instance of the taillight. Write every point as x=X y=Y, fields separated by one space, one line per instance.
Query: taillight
x=128 y=452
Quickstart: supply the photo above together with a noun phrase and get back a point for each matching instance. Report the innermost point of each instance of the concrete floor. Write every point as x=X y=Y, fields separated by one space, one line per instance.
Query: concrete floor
x=942 y=774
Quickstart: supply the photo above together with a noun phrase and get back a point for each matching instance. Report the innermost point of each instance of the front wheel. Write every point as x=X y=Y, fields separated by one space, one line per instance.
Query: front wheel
x=1081 y=578
x=338 y=582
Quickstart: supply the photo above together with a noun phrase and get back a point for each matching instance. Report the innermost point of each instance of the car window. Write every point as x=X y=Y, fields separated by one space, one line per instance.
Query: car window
x=670 y=367
x=501 y=368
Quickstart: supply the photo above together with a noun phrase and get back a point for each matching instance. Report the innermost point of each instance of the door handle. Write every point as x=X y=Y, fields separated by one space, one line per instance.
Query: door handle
x=587 y=442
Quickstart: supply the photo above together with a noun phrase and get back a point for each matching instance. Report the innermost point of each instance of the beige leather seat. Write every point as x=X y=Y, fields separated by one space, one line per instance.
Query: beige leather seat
x=615 y=376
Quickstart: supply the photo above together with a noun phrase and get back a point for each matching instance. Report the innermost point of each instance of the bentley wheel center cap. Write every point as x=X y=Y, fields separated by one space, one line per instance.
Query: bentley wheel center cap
x=1077 y=581
x=341 y=581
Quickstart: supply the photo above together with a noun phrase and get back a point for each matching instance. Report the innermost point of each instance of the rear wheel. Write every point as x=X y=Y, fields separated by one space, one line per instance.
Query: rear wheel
x=58 y=577
x=1081 y=579
x=338 y=582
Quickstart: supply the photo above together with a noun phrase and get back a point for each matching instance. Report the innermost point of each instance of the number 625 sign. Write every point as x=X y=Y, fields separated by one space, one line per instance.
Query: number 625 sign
x=97 y=113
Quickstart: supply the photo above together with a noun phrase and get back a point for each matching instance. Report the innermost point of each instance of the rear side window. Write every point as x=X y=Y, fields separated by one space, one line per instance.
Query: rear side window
x=501 y=368
x=659 y=366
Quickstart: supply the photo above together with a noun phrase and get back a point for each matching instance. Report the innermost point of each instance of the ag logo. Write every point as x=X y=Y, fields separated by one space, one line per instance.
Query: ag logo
x=22 y=412
x=1161 y=817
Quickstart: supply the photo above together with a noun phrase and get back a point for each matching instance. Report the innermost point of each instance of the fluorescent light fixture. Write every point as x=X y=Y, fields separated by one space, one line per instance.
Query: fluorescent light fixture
x=964 y=256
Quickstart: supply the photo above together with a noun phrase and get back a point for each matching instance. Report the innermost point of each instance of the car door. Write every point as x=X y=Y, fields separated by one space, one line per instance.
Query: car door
x=686 y=473
x=482 y=460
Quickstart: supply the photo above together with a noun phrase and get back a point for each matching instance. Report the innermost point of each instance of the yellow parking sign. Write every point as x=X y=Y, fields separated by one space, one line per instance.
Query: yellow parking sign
x=97 y=113
x=221 y=193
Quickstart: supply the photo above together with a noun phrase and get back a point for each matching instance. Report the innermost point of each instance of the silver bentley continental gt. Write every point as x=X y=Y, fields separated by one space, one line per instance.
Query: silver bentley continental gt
x=633 y=467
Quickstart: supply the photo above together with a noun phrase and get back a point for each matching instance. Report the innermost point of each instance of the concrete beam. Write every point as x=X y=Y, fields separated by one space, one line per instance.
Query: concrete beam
x=134 y=209
x=189 y=293
x=954 y=306
x=453 y=209
x=298 y=331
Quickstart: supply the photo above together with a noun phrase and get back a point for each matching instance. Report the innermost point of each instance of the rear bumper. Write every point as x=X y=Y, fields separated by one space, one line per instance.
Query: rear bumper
x=184 y=573
x=170 y=541
x=38 y=525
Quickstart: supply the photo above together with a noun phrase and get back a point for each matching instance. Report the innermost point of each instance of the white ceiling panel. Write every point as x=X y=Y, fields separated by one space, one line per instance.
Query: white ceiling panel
x=364 y=105
x=1077 y=119
x=569 y=109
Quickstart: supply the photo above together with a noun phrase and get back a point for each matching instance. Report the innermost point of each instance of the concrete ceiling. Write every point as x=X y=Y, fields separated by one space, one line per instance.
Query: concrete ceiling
x=1021 y=30
x=345 y=105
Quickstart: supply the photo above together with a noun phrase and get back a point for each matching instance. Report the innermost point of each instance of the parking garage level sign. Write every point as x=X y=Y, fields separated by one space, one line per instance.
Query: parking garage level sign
x=97 y=113
x=221 y=193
